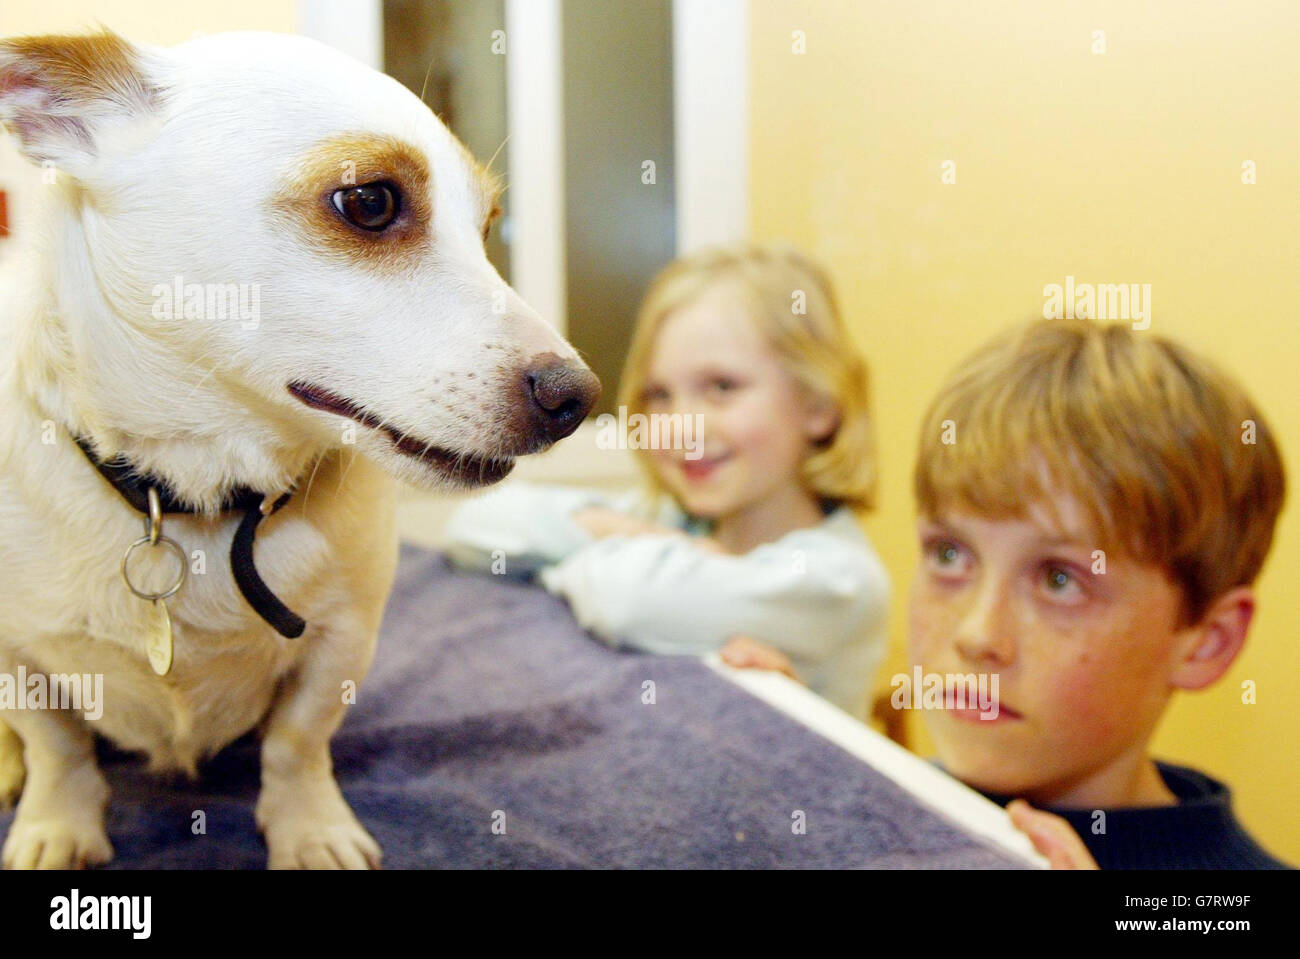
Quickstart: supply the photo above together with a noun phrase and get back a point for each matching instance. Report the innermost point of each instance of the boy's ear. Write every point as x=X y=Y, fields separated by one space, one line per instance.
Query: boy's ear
x=1214 y=643
x=65 y=98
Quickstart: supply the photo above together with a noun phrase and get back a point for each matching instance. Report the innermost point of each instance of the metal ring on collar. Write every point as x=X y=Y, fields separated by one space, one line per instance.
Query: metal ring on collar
x=166 y=541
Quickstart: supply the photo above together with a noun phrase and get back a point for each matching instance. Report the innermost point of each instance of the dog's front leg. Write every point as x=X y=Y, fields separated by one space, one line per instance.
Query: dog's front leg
x=307 y=822
x=60 y=819
x=12 y=771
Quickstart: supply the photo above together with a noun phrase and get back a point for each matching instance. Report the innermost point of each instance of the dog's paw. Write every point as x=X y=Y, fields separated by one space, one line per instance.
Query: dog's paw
x=49 y=843
x=341 y=844
x=309 y=825
x=12 y=770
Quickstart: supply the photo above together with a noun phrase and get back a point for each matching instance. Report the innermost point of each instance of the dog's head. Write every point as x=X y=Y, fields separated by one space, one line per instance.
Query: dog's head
x=266 y=213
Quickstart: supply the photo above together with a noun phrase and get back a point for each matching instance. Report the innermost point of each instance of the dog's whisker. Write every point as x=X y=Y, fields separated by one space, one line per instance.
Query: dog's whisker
x=193 y=363
x=203 y=379
x=498 y=150
x=427 y=74
x=194 y=387
x=346 y=470
x=306 y=496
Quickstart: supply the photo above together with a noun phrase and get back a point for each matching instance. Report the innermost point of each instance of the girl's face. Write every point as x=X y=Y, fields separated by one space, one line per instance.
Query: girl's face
x=756 y=420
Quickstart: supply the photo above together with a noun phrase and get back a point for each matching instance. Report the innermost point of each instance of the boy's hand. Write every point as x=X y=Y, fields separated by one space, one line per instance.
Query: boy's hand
x=746 y=652
x=1052 y=836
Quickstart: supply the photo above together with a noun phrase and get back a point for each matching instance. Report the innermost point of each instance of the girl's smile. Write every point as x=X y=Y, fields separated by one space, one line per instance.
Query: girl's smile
x=703 y=469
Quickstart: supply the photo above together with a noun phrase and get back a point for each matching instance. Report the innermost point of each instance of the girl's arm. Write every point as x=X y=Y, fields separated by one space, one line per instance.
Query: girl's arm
x=809 y=595
x=601 y=521
x=519 y=528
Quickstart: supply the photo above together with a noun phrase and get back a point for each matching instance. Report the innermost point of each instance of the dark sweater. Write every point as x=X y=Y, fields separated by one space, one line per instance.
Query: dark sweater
x=1200 y=832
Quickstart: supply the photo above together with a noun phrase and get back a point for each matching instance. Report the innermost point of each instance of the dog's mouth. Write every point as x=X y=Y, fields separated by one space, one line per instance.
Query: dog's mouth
x=470 y=469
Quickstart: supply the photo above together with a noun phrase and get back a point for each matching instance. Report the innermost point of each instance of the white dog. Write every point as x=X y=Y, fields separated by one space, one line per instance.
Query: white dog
x=257 y=292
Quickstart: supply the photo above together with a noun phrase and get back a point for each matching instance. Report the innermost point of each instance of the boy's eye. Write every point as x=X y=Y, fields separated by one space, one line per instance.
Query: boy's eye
x=721 y=385
x=1061 y=582
x=946 y=557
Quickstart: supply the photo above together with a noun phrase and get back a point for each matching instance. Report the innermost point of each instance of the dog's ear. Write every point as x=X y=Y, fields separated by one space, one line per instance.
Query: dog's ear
x=65 y=97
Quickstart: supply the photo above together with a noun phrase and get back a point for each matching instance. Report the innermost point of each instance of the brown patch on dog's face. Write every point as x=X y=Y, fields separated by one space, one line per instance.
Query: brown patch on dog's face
x=305 y=202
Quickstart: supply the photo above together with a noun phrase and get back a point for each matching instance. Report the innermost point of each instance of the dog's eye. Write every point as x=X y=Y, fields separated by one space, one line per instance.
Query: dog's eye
x=371 y=207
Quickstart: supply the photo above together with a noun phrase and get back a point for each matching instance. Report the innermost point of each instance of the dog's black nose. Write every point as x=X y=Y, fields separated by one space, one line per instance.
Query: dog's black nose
x=562 y=395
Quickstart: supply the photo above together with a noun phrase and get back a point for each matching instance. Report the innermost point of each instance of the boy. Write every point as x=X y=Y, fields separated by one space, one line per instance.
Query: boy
x=1095 y=503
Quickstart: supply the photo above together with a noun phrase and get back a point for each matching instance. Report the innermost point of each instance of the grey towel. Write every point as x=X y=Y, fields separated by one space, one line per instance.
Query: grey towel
x=488 y=705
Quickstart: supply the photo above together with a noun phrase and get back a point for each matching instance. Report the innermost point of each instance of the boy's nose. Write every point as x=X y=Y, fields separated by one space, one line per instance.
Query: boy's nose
x=982 y=632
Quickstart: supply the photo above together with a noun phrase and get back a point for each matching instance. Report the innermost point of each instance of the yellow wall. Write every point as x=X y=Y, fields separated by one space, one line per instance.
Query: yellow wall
x=147 y=21
x=1120 y=167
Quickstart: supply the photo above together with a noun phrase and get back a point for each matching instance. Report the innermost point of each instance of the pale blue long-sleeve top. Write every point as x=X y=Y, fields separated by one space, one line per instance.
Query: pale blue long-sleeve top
x=819 y=594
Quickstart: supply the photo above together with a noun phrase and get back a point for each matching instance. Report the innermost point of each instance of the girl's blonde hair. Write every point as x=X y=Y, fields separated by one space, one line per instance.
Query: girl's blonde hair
x=793 y=305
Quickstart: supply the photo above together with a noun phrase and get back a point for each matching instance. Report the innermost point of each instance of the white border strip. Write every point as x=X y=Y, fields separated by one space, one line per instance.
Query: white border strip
x=535 y=122
x=711 y=121
x=932 y=788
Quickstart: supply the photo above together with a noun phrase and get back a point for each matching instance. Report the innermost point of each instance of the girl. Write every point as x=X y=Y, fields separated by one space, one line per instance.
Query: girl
x=748 y=540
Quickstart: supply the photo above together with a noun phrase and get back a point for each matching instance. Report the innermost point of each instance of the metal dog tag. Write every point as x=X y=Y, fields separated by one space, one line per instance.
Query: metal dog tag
x=158 y=635
x=158 y=642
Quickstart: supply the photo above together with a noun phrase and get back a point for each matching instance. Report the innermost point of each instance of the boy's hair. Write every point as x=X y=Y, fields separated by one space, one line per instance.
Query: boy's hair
x=1169 y=458
x=811 y=343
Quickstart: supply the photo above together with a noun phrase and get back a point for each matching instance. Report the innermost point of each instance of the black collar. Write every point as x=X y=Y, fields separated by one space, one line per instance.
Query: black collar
x=134 y=487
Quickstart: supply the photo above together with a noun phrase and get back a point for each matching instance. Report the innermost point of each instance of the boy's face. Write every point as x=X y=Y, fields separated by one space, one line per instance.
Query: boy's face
x=1084 y=659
